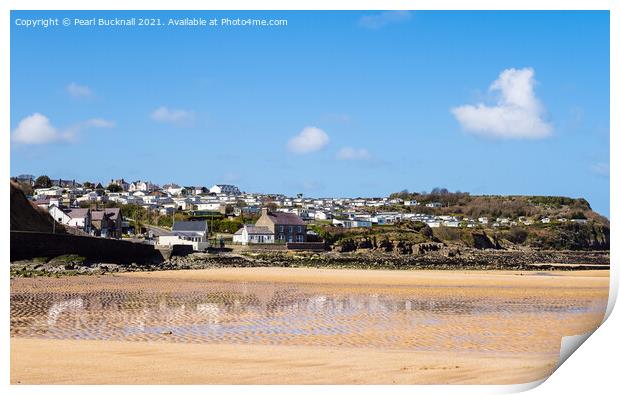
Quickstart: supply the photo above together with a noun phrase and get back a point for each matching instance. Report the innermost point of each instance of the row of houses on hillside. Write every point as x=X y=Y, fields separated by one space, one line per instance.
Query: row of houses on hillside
x=103 y=223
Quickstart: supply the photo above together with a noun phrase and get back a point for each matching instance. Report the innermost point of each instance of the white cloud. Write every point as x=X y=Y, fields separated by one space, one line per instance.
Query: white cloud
x=518 y=113
x=174 y=116
x=99 y=123
x=384 y=18
x=310 y=139
x=349 y=153
x=37 y=129
x=71 y=133
x=601 y=168
x=77 y=90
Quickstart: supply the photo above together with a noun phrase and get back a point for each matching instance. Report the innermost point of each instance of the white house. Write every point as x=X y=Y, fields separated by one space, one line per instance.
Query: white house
x=192 y=233
x=53 y=191
x=250 y=234
x=355 y=223
x=225 y=189
x=58 y=215
x=78 y=217
x=208 y=206
x=140 y=186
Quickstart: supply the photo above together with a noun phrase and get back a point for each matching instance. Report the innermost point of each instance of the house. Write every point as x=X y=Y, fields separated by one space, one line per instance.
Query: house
x=101 y=223
x=247 y=210
x=121 y=183
x=194 y=233
x=107 y=222
x=225 y=189
x=53 y=191
x=348 y=223
x=144 y=186
x=251 y=234
x=434 y=205
x=287 y=227
x=77 y=217
x=58 y=214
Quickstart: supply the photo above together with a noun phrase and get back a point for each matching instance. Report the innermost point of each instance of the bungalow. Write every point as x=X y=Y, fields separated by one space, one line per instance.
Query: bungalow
x=287 y=227
x=251 y=234
x=192 y=233
x=357 y=223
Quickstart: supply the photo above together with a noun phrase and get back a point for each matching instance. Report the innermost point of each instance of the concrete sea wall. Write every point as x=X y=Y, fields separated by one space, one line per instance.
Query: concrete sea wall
x=26 y=245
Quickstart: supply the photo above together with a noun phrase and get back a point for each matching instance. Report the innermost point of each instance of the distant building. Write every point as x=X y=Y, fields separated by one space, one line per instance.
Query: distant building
x=352 y=223
x=25 y=178
x=286 y=227
x=251 y=234
x=225 y=189
x=143 y=186
x=121 y=183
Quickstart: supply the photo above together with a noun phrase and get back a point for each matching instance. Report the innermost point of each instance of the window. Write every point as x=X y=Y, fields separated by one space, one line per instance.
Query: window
x=290 y=229
x=298 y=228
x=300 y=238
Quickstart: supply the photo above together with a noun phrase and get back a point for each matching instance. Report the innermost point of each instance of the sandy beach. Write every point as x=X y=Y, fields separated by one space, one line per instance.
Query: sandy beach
x=299 y=326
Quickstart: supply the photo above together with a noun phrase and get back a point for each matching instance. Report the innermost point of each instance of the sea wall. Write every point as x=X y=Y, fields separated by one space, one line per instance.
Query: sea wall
x=27 y=245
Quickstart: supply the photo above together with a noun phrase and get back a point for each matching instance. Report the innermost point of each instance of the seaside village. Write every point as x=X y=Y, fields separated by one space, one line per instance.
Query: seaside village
x=267 y=219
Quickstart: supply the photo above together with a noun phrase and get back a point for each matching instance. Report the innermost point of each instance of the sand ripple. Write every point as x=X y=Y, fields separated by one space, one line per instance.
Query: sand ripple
x=483 y=318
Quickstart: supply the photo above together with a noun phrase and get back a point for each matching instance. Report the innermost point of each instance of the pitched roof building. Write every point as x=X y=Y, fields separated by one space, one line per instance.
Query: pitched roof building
x=287 y=227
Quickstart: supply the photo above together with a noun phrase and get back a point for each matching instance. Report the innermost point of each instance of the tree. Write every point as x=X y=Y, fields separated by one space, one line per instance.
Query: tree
x=88 y=185
x=114 y=188
x=43 y=182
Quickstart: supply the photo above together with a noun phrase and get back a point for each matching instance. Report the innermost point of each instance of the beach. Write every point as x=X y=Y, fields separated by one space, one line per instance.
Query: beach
x=299 y=326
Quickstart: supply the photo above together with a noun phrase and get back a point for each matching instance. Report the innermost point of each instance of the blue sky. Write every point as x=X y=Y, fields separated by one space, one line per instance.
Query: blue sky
x=333 y=104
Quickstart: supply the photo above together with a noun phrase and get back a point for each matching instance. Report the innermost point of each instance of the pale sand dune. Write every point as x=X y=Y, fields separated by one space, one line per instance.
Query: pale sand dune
x=37 y=361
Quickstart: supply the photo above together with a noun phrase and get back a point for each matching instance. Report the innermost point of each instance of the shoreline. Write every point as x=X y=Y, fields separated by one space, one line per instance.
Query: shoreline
x=466 y=260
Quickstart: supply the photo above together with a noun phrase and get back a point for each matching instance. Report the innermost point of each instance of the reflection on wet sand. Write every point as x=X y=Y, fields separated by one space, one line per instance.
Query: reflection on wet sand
x=399 y=317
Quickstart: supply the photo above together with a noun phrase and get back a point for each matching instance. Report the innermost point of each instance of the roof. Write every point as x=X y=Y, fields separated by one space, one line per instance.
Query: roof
x=77 y=212
x=258 y=230
x=191 y=226
x=279 y=218
x=96 y=215
x=113 y=212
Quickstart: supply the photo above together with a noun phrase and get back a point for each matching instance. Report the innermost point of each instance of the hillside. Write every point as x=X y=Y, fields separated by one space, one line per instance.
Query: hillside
x=27 y=217
x=494 y=206
x=416 y=237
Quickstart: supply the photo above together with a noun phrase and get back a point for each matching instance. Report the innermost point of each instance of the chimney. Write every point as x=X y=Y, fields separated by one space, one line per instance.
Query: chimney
x=264 y=211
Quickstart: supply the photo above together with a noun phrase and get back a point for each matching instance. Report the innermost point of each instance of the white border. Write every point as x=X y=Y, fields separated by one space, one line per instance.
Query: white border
x=597 y=360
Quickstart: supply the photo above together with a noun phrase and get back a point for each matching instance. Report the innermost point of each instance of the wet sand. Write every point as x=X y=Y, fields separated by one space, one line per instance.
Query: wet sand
x=278 y=325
